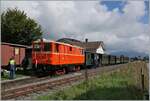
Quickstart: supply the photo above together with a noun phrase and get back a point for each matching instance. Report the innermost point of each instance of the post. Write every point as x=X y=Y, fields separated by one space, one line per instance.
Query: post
x=142 y=79
x=86 y=75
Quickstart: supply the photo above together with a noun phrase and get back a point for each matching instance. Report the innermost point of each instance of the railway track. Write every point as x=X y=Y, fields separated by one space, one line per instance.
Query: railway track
x=37 y=84
x=15 y=83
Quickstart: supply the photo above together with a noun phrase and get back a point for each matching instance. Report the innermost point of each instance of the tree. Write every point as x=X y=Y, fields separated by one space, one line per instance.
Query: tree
x=17 y=28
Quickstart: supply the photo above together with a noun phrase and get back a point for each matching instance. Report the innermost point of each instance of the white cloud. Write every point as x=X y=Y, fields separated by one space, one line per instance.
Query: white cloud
x=81 y=19
x=134 y=9
x=30 y=7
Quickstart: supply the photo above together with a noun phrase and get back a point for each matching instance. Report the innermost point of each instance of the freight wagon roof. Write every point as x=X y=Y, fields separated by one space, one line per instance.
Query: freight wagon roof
x=16 y=45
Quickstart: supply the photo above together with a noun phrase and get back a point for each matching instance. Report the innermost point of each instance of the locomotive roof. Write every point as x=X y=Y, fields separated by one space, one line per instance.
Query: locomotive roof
x=90 y=46
x=67 y=44
x=44 y=40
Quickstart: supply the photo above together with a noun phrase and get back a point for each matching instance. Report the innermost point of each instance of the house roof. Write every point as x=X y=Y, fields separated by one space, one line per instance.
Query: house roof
x=90 y=46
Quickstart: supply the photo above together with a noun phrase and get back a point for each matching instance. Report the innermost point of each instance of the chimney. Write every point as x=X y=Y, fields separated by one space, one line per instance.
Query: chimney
x=86 y=40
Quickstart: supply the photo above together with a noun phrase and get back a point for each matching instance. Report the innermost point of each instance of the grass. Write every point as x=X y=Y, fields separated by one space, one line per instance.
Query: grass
x=116 y=85
x=21 y=73
x=18 y=74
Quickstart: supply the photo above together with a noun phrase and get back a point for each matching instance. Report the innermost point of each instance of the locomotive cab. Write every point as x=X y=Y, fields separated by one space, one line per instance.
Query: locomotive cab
x=41 y=52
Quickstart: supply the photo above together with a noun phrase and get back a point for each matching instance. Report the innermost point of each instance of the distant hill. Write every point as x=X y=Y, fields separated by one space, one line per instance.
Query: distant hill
x=129 y=53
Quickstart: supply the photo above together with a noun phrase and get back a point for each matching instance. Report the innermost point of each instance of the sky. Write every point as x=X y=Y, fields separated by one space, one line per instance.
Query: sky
x=121 y=25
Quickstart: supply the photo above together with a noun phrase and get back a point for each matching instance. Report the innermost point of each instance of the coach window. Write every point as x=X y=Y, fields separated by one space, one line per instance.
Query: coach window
x=47 y=47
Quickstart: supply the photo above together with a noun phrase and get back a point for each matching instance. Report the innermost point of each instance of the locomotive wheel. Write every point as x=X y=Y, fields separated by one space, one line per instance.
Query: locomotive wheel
x=70 y=69
x=43 y=69
x=64 y=70
x=74 y=68
x=77 y=68
x=60 y=72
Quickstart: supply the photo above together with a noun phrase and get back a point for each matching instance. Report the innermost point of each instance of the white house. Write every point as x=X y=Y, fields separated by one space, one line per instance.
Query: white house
x=100 y=50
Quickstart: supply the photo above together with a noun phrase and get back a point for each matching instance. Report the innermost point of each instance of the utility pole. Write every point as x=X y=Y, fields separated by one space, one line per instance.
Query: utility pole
x=86 y=75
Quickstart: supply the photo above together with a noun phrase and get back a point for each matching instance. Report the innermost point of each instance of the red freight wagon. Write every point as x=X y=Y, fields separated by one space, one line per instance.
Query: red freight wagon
x=51 y=54
x=8 y=50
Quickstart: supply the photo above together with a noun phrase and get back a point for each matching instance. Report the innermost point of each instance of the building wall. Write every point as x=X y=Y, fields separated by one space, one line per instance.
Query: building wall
x=100 y=50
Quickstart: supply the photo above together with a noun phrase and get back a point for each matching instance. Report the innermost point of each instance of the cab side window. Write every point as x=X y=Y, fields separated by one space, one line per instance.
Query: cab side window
x=47 y=47
x=37 y=47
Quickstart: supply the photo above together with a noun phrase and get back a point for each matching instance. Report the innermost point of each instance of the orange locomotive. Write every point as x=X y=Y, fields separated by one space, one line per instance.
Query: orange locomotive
x=56 y=56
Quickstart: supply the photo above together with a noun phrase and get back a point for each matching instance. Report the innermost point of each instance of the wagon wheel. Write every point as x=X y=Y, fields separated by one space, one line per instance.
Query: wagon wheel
x=64 y=71
x=43 y=69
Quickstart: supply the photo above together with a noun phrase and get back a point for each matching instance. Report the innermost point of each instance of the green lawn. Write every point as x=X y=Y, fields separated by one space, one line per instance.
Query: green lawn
x=18 y=74
x=116 y=85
